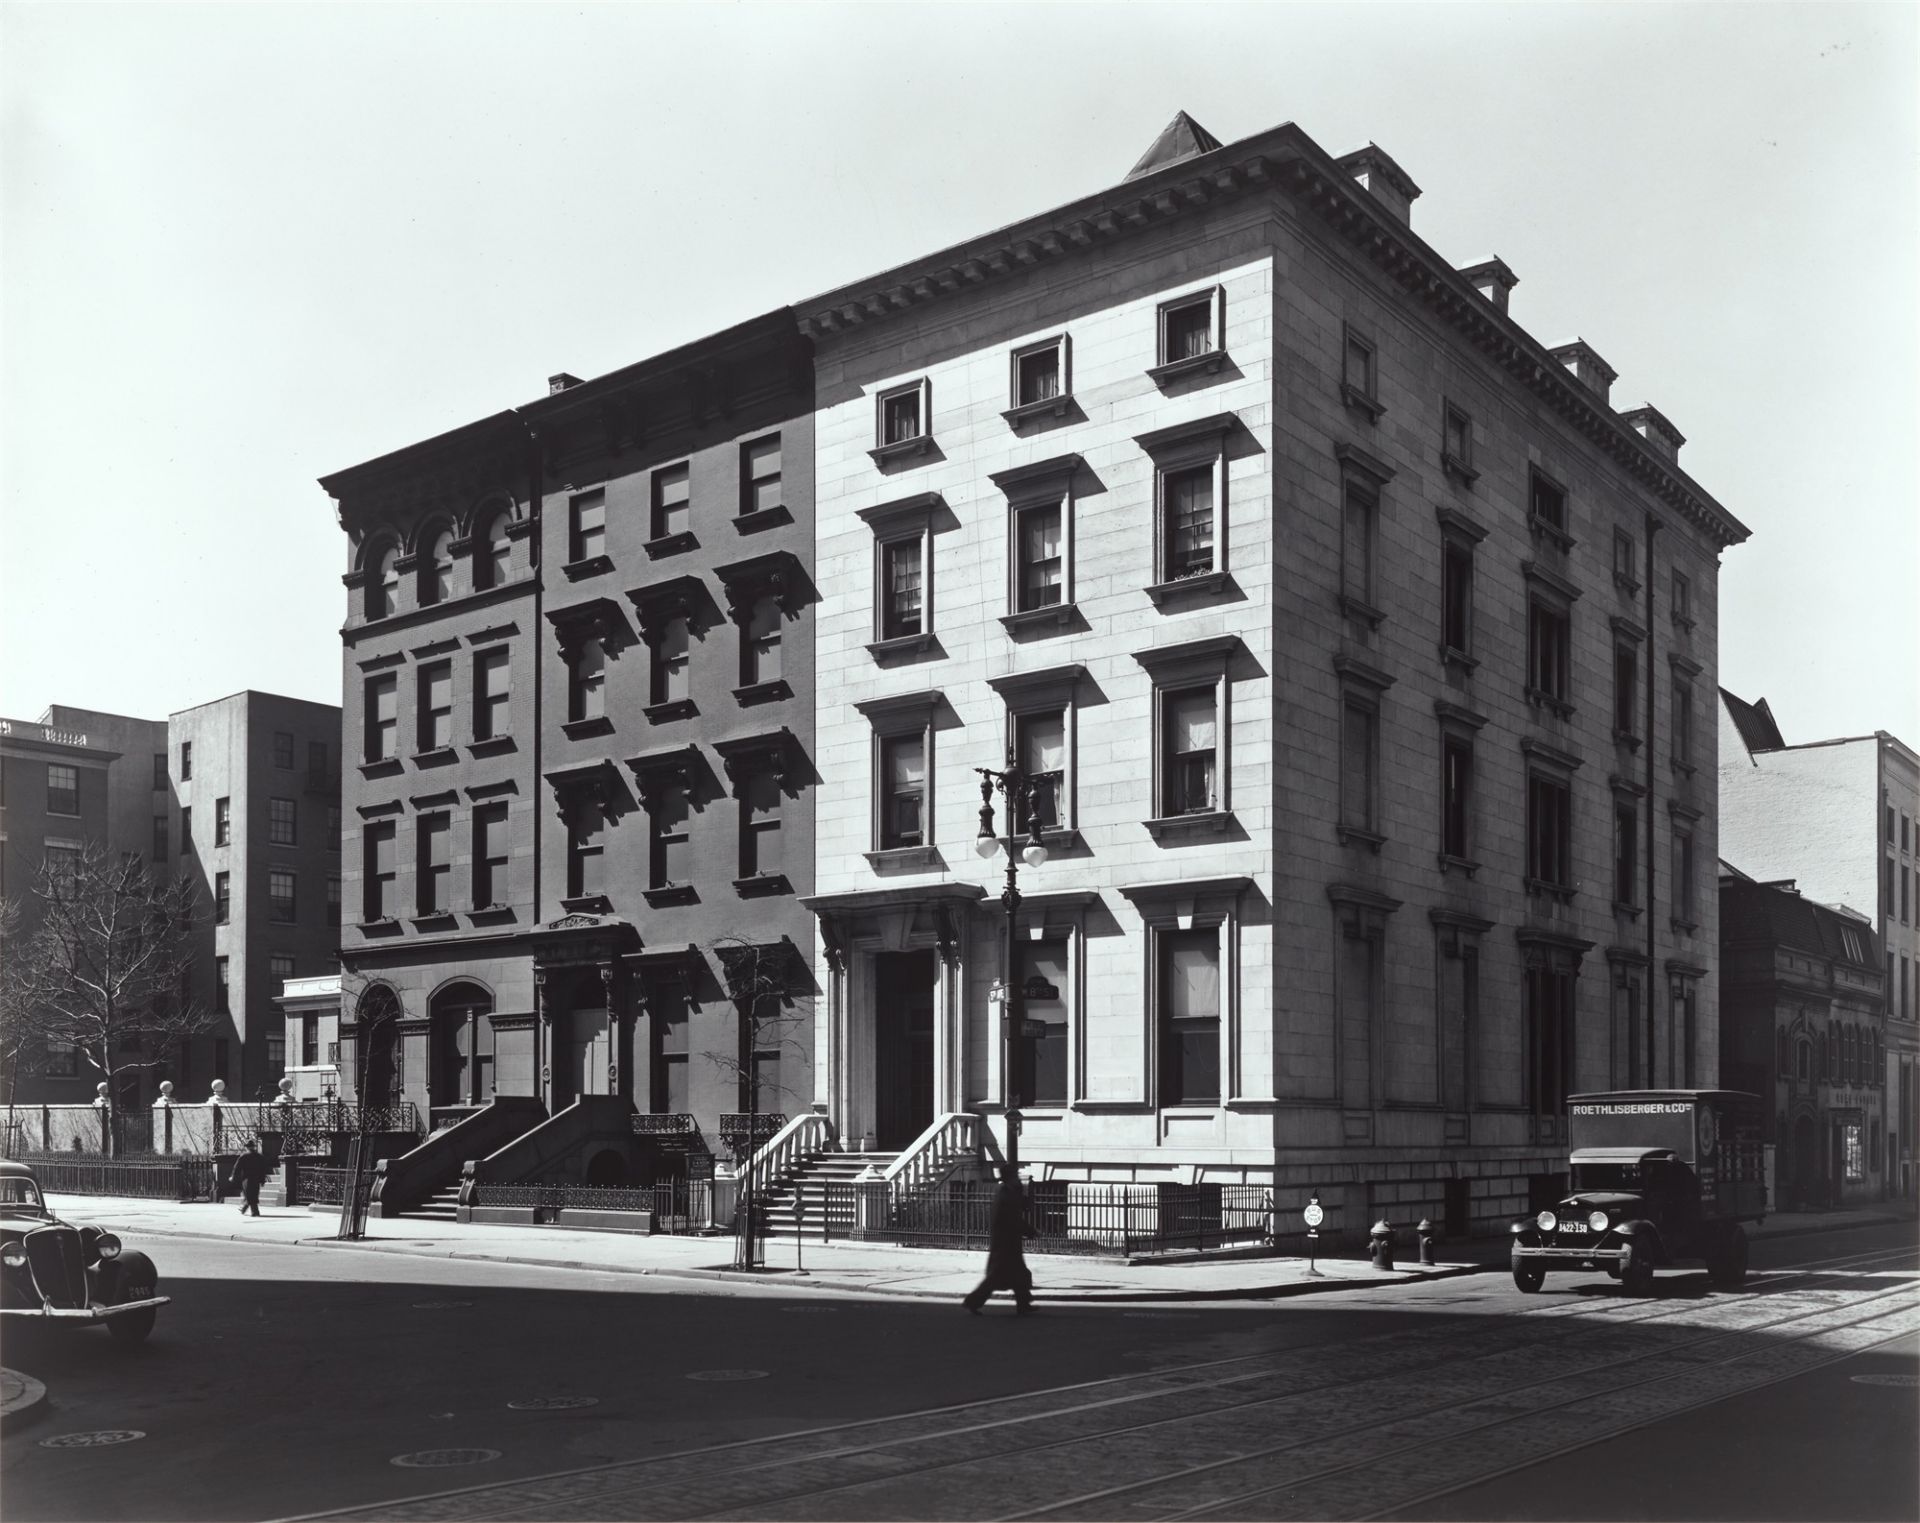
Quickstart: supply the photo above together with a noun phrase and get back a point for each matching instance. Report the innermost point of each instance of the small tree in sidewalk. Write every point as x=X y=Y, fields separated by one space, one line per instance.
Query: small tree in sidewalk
x=765 y=981
x=107 y=971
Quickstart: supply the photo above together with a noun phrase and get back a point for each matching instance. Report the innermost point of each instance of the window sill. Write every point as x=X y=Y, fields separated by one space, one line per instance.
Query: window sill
x=670 y=544
x=1682 y=927
x=586 y=729
x=762 y=692
x=905 y=859
x=492 y=745
x=884 y=455
x=1353 y=608
x=762 y=885
x=1622 y=907
x=1453 y=656
x=1186 y=827
x=491 y=914
x=1201 y=584
x=593 y=565
x=1354 y=835
x=386 y=766
x=1541 y=529
x=1626 y=738
x=665 y=713
x=1046 y=407
x=439 y=756
x=1057 y=614
x=1629 y=585
x=670 y=894
x=1452 y=864
x=1560 y=893
x=901 y=645
x=435 y=920
x=1540 y=698
x=1458 y=469
x=1195 y=364
x=386 y=925
x=587 y=904
x=1685 y=769
x=762 y=518
x=1682 y=622
x=1360 y=402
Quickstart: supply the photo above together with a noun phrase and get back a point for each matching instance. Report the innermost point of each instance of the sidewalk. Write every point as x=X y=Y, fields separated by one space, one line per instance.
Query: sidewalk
x=21 y=1397
x=935 y=1273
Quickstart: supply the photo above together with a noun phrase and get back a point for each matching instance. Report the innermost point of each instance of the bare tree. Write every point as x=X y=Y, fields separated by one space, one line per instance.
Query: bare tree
x=22 y=1050
x=107 y=970
x=765 y=981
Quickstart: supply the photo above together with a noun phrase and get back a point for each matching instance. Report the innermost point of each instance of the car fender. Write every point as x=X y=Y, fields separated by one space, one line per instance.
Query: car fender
x=1643 y=1234
x=131 y=1277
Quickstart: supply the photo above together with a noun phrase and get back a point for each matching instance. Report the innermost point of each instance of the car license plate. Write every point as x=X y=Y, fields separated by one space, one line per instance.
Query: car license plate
x=1573 y=1227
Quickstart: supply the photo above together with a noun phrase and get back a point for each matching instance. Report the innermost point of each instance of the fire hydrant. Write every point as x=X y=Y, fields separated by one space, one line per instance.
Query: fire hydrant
x=1381 y=1239
x=1427 y=1235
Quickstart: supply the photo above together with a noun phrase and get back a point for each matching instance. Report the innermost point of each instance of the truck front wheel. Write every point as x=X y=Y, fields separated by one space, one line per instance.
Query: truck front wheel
x=1529 y=1277
x=1636 y=1275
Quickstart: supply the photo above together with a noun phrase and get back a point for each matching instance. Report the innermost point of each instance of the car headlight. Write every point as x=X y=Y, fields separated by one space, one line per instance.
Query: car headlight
x=13 y=1256
x=1546 y=1221
x=1598 y=1221
x=108 y=1247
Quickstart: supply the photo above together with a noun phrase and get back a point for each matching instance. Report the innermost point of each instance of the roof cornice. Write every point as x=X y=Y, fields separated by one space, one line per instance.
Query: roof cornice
x=1284 y=158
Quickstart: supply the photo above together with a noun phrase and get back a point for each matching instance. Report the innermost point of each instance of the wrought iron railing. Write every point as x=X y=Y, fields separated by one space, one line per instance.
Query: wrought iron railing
x=312 y=1127
x=316 y=1185
x=188 y=1177
x=562 y=1197
x=737 y=1128
x=951 y=1139
x=663 y=1125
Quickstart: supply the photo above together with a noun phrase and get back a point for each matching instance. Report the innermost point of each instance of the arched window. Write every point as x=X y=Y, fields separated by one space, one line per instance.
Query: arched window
x=436 y=568
x=493 y=551
x=383 y=586
x=462 y=1041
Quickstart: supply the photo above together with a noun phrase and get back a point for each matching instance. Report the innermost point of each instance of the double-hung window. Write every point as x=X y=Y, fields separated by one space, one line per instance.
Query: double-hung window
x=1626 y=848
x=587 y=680
x=903 y=575
x=1626 y=562
x=672 y=506
x=1190 y=505
x=1683 y=673
x=382 y=717
x=283 y=750
x=1626 y=682
x=903 y=800
x=493 y=551
x=434 y=868
x=280 y=896
x=1191 y=935
x=1363 y=480
x=63 y=789
x=586 y=845
x=1547 y=507
x=381 y=874
x=671 y=646
x=1040 y=539
x=1359 y=373
x=436 y=569
x=760 y=640
x=223 y=822
x=333 y=901
x=903 y=774
x=903 y=422
x=1549 y=774
x=1459 y=727
x=492 y=693
x=1039 y=740
x=1191 y=782
x=1682 y=600
x=1041 y=380
x=761 y=594
x=1550 y=601
x=1363 y=690
x=587 y=529
x=1192 y=335
x=283 y=822
x=1683 y=889
x=186 y=761
x=490 y=856
x=760 y=825
x=760 y=489
x=435 y=711
x=1459 y=536
x=222 y=898
x=670 y=858
x=1456 y=442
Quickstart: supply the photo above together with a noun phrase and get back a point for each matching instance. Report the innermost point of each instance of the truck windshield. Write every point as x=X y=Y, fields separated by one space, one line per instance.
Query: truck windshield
x=1607 y=1176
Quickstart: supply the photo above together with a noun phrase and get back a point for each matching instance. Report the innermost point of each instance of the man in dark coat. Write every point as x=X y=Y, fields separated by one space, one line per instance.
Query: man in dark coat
x=1006 y=1249
x=249 y=1169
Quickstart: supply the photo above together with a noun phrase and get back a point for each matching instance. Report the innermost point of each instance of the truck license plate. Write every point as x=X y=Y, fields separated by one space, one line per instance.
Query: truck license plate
x=1573 y=1227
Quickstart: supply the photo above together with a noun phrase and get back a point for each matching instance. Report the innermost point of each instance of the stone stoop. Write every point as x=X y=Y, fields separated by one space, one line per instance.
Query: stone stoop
x=807 y=1187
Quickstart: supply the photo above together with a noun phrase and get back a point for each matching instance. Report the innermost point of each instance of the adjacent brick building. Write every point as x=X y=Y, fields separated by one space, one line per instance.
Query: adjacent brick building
x=1363 y=649
x=1841 y=818
x=579 y=724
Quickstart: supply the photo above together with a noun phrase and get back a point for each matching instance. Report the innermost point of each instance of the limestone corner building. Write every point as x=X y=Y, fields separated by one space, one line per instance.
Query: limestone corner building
x=1362 y=649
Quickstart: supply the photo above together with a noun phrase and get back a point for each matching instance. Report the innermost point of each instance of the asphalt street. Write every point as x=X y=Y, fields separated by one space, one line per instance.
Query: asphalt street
x=288 y=1382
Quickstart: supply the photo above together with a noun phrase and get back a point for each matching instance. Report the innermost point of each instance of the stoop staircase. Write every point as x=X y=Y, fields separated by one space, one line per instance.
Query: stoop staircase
x=441 y=1206
x=807 y=1186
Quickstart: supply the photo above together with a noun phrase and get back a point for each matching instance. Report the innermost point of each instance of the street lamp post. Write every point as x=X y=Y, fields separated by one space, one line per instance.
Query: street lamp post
x=1020 y=792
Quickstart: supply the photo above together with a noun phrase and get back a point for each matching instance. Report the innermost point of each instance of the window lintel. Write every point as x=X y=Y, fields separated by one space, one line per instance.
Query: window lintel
x=903 y=515
x=1040 y=481
x=1626 y=629
x=1051 y=687
x=1361 y=674
x=1550 y=581
x=1552 y=756
x=1196 y=902
x=1457 y=525
x=1684 y=666
x=1202 y=437
x=1191 y=660
x=1457 y=716
x=1358 y=461
x=902 y=713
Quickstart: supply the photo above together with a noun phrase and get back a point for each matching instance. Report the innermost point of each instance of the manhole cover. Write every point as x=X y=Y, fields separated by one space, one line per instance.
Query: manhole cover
x=1900 y=1382
x=552 y=1403
x=96 y=1440
x=728 y=1375
x=440 y=1305
x=438 y=1459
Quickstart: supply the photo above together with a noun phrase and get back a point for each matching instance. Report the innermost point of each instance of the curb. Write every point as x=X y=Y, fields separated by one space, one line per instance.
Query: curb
x=820 y=1282
x=26 y=1398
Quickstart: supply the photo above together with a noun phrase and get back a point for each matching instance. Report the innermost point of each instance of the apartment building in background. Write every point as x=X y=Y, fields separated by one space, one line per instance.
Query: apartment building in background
x=578 y=663
x=1362 y=648
x=1841 y=819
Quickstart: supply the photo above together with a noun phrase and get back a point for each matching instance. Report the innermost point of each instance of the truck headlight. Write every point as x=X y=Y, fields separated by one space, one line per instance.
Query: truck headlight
x=108 y=1246
x=13 y=1256
x=1546 y=1221
x=1598 y=1221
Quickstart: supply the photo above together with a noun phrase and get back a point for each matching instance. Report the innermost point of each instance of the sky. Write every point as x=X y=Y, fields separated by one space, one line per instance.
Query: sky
x=242 y=246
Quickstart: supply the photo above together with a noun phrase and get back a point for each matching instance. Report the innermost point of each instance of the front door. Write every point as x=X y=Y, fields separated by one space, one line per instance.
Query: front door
x=903 y=984
x=379 y=1087
x=590 y=1052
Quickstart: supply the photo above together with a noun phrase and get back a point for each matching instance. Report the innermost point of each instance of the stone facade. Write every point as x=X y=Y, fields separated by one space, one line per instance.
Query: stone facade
x=1400 y=1010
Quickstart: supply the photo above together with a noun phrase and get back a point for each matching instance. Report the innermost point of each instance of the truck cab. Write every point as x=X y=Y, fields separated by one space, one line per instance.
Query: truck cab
x=1658 y=1178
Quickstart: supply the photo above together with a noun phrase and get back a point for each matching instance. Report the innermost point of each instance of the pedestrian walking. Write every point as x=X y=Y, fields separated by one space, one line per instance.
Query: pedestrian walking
x=1006 y=1249
x=249 y=1169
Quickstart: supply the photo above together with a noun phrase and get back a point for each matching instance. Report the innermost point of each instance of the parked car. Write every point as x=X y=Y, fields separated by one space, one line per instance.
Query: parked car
x=55 y=1274
x=1659 y=1177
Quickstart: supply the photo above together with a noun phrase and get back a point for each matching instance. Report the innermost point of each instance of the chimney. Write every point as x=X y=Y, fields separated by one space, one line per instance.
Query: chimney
x=1657 y=429
x=1588 y=368
x=1390 y=185
x=1493 y=280
x=561 y=382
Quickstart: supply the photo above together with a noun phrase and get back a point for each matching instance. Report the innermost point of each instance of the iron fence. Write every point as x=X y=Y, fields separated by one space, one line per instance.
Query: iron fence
x=1114 y=1220
x=187 y=1177
x=677 y=1206
x=315 y=1185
